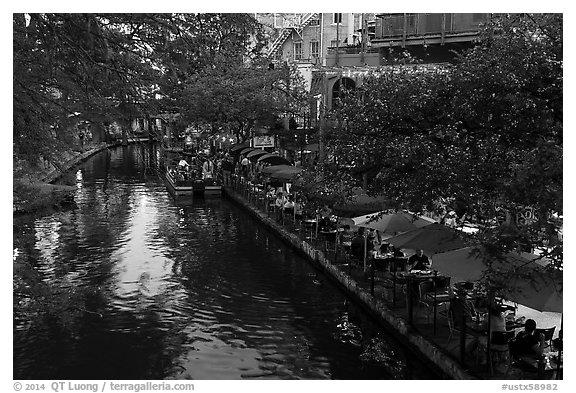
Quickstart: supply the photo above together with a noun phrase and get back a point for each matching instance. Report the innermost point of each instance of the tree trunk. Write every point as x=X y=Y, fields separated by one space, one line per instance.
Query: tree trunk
x=124 y=136
x=99 y=133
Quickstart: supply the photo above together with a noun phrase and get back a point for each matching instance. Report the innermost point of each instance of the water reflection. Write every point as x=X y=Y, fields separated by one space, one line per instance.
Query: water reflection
x=139 y=286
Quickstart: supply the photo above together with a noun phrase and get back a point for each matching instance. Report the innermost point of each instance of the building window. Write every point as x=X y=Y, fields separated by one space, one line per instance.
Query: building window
x=478 y=18
x=297 y=50
x=337 y=18
x=278 y=55
x=314 y=49
x=357 y=22
x=394 y=25
x=314 y=22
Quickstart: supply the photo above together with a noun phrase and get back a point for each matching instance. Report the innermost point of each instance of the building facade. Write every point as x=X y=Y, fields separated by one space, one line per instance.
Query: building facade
x=307 y=38
x=428 y=37
x=314 y=40
x=336 y=51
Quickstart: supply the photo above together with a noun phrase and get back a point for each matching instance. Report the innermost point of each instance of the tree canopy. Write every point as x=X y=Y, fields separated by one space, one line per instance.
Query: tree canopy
x=242 y=97
x=483 y=135
x=103 y=67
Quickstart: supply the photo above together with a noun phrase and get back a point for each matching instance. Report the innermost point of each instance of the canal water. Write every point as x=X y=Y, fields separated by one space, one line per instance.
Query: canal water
x=133 y=284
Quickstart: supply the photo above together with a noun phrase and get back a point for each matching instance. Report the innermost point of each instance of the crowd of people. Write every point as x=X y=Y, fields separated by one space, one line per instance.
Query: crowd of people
x=204 y=166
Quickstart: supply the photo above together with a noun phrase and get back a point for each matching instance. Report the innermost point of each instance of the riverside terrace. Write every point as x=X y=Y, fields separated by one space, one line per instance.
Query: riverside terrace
x=422 y=323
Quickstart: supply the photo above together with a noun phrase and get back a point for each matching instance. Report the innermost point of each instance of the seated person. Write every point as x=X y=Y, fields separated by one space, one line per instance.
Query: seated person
x=384 y=248
x=358 y=244
x=324 y=215
x=527 y=342
x=289 y=205
x=497 y=326
x=280 y=200
x=557 y=342
x=397 y=252
x=419 y=261
x=299 y=209
x=325 y=212
x=461 y=307
x=399 y=257
x=279 y=204
x=498 y=332
x=497 y=320
x=183 y=163
x=346 y=237
x=271 y=193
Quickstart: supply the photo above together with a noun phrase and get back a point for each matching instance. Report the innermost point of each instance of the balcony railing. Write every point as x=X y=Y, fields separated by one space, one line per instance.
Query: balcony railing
x=350 y=50
x=392 y=27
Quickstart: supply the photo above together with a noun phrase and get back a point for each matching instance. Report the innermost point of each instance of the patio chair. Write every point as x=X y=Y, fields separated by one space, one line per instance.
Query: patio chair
x=449 y=314
x=423 y=302
x=500 y=353
x=548 y=334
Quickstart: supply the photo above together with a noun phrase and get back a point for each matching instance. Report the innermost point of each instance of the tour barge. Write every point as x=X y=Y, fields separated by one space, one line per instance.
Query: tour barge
x=197 y=186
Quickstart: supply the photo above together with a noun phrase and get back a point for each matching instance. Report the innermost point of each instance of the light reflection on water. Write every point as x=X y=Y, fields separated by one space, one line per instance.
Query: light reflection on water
x=168 y=290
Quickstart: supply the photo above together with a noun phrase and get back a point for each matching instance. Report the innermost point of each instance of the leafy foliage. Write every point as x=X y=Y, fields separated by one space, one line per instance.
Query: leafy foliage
x=241 y=97
x=480 y=136
x=112 y=67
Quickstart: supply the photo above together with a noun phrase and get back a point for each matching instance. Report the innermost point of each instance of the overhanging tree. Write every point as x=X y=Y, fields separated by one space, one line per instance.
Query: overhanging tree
x=242 y=96
x=111 y=67
x=486 y=132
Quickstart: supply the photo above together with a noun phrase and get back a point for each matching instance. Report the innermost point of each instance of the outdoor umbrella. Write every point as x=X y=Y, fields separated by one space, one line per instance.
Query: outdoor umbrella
x=541 y=290
x=538 y=259
x=387 y=223
x=375 y=218
x=254 y=154
x=418 y=221
x=287 y=174
x=247 y=150
x=275 y=168
x=431 y=238
x=469 y=264
x=519 y=271
x=237 y=148
x=463 y=264
x=273 y=159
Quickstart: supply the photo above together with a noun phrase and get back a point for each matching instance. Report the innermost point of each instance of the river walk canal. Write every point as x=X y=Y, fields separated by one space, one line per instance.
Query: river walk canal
x=133 y=284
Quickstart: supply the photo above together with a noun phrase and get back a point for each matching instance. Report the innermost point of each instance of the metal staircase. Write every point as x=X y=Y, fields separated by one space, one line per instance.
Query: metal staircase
x=287 y=31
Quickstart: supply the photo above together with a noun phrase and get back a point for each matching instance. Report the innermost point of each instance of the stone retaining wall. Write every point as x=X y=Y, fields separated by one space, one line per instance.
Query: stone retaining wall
x=55 y=174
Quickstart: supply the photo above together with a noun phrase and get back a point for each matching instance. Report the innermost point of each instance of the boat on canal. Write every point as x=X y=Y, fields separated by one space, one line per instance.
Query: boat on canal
x=177 y=184
x=212 y=187
x=181 y=184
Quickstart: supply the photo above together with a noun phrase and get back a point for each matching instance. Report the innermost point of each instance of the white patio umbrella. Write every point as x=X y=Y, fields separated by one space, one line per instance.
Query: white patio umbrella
x=470 y=263
x=541 y=291
x=385 y=223
x=390 y=224
x=431 y=238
